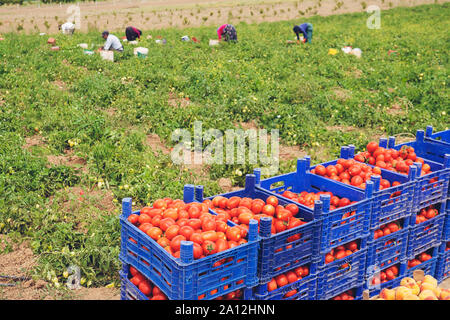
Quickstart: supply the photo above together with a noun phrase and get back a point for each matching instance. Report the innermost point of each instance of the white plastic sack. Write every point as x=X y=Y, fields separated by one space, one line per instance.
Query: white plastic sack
x=83 y=45
x=140 y=50
x=213 y=42
x=107 y=55
x=347 y=49
x=134 y=42
x=185 y=38
x=357 y=52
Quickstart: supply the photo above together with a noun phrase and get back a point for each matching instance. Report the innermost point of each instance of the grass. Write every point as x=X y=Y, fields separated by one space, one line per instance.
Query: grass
x=296 y=89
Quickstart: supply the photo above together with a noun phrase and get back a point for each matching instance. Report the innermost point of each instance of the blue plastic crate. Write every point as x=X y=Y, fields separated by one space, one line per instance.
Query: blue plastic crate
x=427 y=234
x=306 y=290
x=334 y=229
x=388 y=250
x=341 y=275
x=374 y=290
x=277 y=253
x=429 y=266
x=184 y=278
x=443 y=263
x=427 y=192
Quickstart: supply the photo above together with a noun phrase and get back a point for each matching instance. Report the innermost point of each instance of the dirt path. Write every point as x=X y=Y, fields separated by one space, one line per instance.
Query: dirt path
x=157 y=14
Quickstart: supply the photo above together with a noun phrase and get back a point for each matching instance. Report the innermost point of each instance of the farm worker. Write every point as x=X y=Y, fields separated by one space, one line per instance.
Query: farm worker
x=132 y=33
x=228 y=31
x=67 y=28
x=112 y=42
x=306 y=29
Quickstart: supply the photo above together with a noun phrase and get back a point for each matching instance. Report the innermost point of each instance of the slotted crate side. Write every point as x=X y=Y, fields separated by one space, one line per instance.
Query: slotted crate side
x=279 y=252
x=306 y=290
x=427 y=234
x=429 y=266
x=335 y=227
x=341 y=275
x=374 y=290
x=185 y=278
x=388 y=250
x=443 y=263
x=433 y=187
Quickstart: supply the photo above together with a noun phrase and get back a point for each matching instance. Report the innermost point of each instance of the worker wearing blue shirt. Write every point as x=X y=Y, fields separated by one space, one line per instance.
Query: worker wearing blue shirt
x=306 y=29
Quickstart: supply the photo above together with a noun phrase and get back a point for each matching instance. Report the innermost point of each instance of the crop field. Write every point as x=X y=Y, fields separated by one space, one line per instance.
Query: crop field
x=78 y=133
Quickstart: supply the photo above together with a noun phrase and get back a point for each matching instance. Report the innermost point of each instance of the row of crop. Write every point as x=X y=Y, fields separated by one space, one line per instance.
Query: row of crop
x=303 y=235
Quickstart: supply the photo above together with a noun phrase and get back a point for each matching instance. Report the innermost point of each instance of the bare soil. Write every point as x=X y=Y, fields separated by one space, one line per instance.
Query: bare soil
x=69 y=160
x=157 y=14
x=32 y=141
x=154 y=142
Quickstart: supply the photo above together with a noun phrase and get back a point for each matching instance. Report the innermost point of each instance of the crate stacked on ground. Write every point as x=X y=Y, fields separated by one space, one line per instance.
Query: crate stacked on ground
x=341 y=222
x=285 y=245
x=184 y=277
x=135 y=286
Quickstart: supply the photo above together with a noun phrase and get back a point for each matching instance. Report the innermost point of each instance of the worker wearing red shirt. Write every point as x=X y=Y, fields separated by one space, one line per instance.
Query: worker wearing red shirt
x=132 y=33
x=228 y=32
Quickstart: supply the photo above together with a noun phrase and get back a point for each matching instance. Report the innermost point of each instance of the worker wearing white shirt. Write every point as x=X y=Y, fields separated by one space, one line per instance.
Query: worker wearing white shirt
x=112 y=42
x=67 y=28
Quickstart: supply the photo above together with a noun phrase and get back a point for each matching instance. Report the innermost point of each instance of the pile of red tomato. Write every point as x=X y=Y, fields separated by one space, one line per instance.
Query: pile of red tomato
x=426 y=214
x=352 y=172
x=341 y=251
x=307 y=199
x=391 y=159
x=169 y=222
x=419 y=259
x=386 y=275
x=287 y=278
x=242 y=210
x=387 y=229
x=347 y=295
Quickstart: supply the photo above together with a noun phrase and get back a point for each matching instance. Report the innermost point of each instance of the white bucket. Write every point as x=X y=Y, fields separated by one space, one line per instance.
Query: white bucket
x=107 y=55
